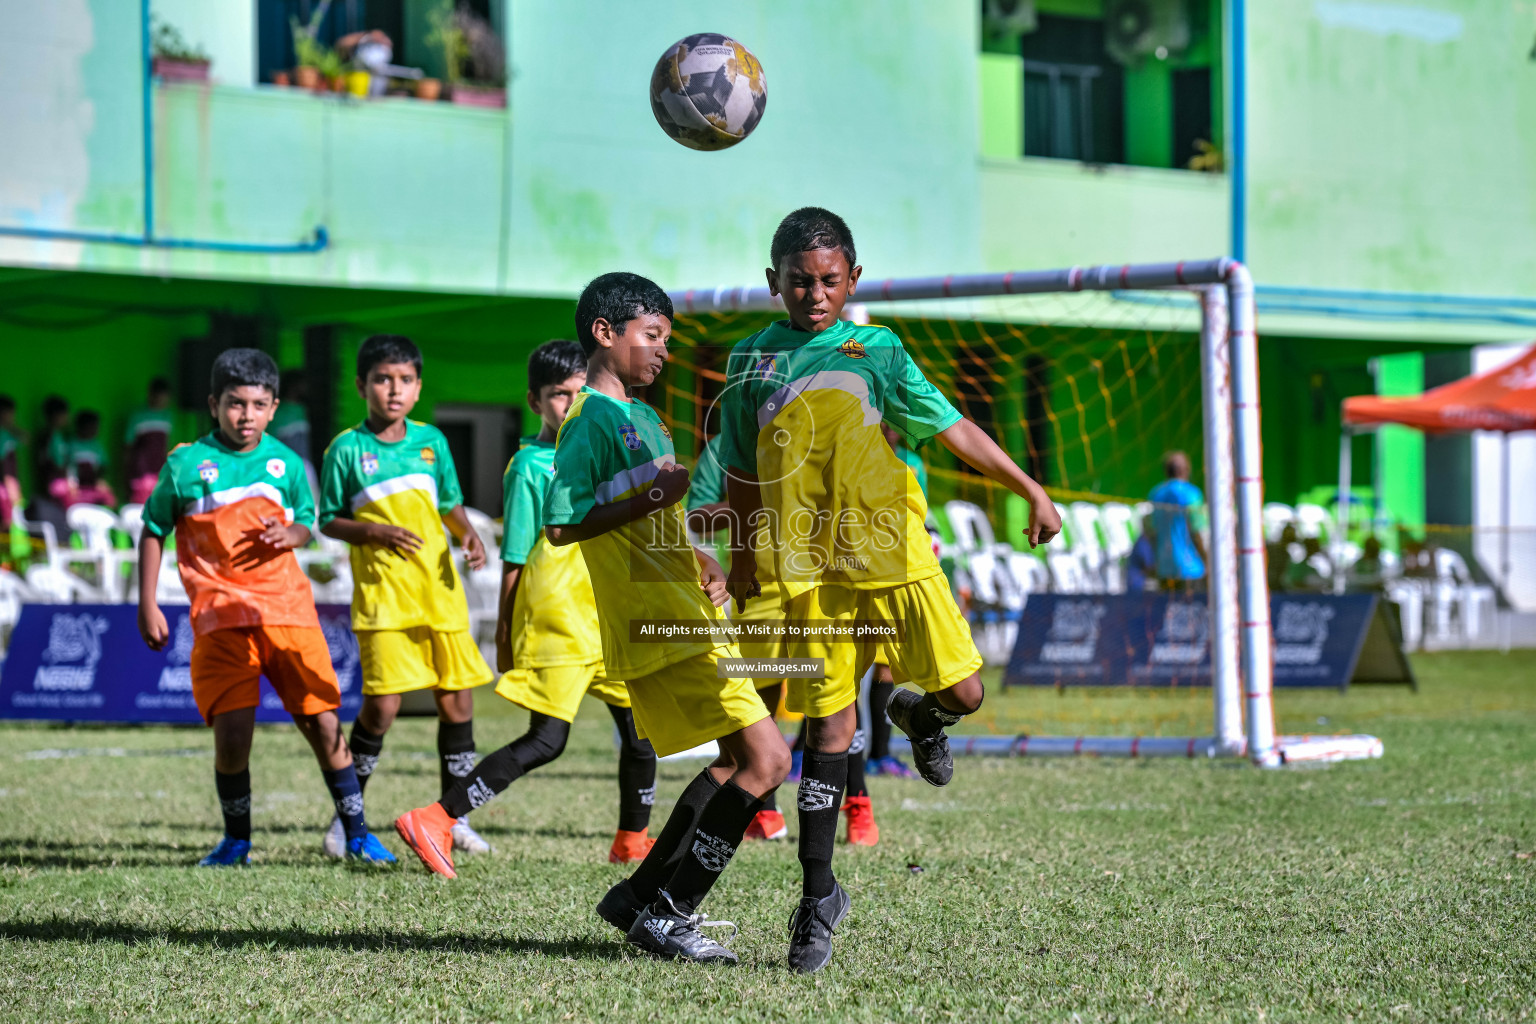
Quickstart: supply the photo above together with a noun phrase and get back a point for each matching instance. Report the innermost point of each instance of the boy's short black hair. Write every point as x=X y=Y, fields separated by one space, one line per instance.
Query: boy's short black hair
x=243 y=368
x=811 y=227
x=159 y=386
x=87 y=418
x=555 y=362
x=387 y=348
x=53 y=405
x=617 y=298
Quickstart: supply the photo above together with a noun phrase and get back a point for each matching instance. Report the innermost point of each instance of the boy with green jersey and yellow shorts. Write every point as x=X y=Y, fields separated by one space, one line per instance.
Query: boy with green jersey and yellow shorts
x=812 y=480
x=618 y=492
x=388 y=486
x=547 y=644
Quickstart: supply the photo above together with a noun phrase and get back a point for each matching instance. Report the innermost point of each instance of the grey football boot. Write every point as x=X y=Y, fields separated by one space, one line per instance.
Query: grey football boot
x=620 y=906
x=669 y=933
x=930 y=754
x=810 y=930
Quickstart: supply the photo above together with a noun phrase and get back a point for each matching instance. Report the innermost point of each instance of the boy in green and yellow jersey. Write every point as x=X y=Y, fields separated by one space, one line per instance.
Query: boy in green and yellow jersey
x=239 y=505
x=388 y=487
x=547 y=643
x=811 y=474
x=618 y=492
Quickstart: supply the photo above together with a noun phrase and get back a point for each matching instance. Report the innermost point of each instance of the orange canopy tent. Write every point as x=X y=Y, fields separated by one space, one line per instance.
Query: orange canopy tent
x=1502 y=400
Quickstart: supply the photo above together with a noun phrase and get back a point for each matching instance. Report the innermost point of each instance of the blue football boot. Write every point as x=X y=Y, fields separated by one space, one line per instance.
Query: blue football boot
x=369 y=850
x=230 y=853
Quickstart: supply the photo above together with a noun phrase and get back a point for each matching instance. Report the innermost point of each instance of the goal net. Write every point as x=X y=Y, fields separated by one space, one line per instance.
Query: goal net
x=1088 y=377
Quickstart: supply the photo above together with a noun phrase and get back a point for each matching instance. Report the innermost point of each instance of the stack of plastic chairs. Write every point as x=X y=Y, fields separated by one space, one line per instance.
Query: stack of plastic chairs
x=997 y=593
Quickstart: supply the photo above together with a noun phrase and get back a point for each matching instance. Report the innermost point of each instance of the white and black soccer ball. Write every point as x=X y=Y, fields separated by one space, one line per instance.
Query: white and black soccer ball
x=708 y=91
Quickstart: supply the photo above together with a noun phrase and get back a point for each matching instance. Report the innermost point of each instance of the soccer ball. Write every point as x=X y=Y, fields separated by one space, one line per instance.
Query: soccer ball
x=708 y=91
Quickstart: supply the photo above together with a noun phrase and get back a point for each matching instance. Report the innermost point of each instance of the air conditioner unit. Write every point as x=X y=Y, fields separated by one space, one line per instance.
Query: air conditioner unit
x=1137 y=29
x=1008 y=17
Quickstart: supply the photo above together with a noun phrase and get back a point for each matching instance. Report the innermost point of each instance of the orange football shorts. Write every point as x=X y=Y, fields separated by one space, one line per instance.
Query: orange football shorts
x=227 y=665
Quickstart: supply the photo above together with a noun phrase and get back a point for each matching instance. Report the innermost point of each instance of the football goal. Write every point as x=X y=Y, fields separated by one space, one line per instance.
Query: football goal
x=1087 y=376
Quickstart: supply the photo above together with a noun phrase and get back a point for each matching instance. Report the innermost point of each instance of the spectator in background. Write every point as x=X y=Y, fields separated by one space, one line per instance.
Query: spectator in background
x=1278 y=557
x=88 y=463
x=11 y=438
x=1176 y=522
x=50 y=461
x=290 y=424
x=148 y=440
x=1370 y=570
x=1141 y=563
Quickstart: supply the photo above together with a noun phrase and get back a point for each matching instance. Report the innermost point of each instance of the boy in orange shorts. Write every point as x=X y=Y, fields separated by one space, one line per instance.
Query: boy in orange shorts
x=239 y=504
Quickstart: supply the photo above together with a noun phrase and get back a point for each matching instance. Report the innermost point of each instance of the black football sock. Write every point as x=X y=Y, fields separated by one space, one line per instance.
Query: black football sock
x=879 y=726
x=542 y=743
x=455 y=752
x=347 y=794
x=676 y=834
x=856 y=749
x=822 y=778
x=235 y=801
x=637 y=773
x=366 y=747
x=929 y=717
x=722 y=824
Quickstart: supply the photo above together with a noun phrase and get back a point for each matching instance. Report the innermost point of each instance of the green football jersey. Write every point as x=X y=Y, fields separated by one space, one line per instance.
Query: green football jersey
x=410 y=483
x=803 y=413
x=706 y=484
x=609 y=450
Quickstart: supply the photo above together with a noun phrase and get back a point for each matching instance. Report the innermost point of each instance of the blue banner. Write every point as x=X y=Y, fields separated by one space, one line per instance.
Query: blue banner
x=87 y=663
x=1164 y=640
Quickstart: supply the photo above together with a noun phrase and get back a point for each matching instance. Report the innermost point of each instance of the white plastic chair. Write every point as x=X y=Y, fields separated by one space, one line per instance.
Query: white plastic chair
x=50 y=585
x=1066 y=573
x=1408 y=595
x=1277 y=516
x=486 y=526
x=168 y=588
x=1086 y=540
x=14 y=593
x=1313 y=520
x=972 y=529
x=1121 y=528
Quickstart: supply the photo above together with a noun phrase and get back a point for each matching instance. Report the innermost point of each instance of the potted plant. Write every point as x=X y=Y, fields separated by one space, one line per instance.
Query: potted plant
x=448 y=38
x=175 y=59
x=486 y=59
x=308 y=51
x=333 y=70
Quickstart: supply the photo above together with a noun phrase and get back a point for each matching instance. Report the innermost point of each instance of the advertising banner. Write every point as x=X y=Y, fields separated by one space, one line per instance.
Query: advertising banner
x=87 y=663
x=1164 y=639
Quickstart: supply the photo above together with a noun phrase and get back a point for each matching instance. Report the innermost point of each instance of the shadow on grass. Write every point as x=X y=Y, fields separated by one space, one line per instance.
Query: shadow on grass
x=58 y=930
x=53 y=853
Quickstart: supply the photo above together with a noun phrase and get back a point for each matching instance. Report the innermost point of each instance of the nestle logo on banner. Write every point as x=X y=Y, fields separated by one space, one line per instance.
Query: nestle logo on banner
x=74 y=648
x=1181 y=640
x=1301 y=631
x=176 y=677
x=1074 y=633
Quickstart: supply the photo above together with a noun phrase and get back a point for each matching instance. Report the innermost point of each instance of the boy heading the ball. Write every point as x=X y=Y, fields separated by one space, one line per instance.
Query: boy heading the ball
x=812 y=479
x=547 y=643
x=239 y=505
x=618 y=492
x=388 y=486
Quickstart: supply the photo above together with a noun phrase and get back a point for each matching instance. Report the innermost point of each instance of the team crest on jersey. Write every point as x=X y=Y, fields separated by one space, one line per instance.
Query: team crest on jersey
x=428 y=456
x=370 y=463
x=208 y=471
x=277 y=468
x=852 y=349
x=664 y=431
x=631 y=437
x=765 y=367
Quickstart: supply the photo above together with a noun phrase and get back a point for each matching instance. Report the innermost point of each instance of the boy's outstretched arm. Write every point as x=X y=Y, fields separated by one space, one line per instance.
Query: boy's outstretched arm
x=667 y=489
x=746 y=499
x=458 y=525
x=511 y=575
x=152 y=624
x=970 y=443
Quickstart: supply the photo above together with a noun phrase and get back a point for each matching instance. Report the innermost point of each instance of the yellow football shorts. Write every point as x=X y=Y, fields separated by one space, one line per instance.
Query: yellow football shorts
x=936 y=653
x=686 y=703
x=767 y=608
x=557 y=689
x=420 y=658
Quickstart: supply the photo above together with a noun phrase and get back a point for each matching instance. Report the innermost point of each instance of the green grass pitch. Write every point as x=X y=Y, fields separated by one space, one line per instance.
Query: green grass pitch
x=1395 y=890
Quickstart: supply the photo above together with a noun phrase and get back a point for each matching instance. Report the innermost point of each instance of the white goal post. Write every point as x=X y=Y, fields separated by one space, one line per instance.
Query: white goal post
x=1238 y=591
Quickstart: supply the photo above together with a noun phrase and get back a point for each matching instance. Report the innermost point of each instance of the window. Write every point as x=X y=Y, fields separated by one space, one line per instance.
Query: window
x=1073 y=102
x=274 y=33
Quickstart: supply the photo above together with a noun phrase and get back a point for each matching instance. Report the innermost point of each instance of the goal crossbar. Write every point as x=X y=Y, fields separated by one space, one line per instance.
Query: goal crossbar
x=1242 y=676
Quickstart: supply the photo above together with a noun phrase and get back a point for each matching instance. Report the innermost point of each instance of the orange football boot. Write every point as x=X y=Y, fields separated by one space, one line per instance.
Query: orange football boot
x=630 y=847
x=767 y=825
x=428 y=831
x=862 y=830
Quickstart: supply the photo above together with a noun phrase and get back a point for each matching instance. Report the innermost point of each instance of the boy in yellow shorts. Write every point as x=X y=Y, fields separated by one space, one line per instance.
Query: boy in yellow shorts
x=811 y=474
x=618 y=492
x=388 y=487
x=239 y=504
x=547 y=643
